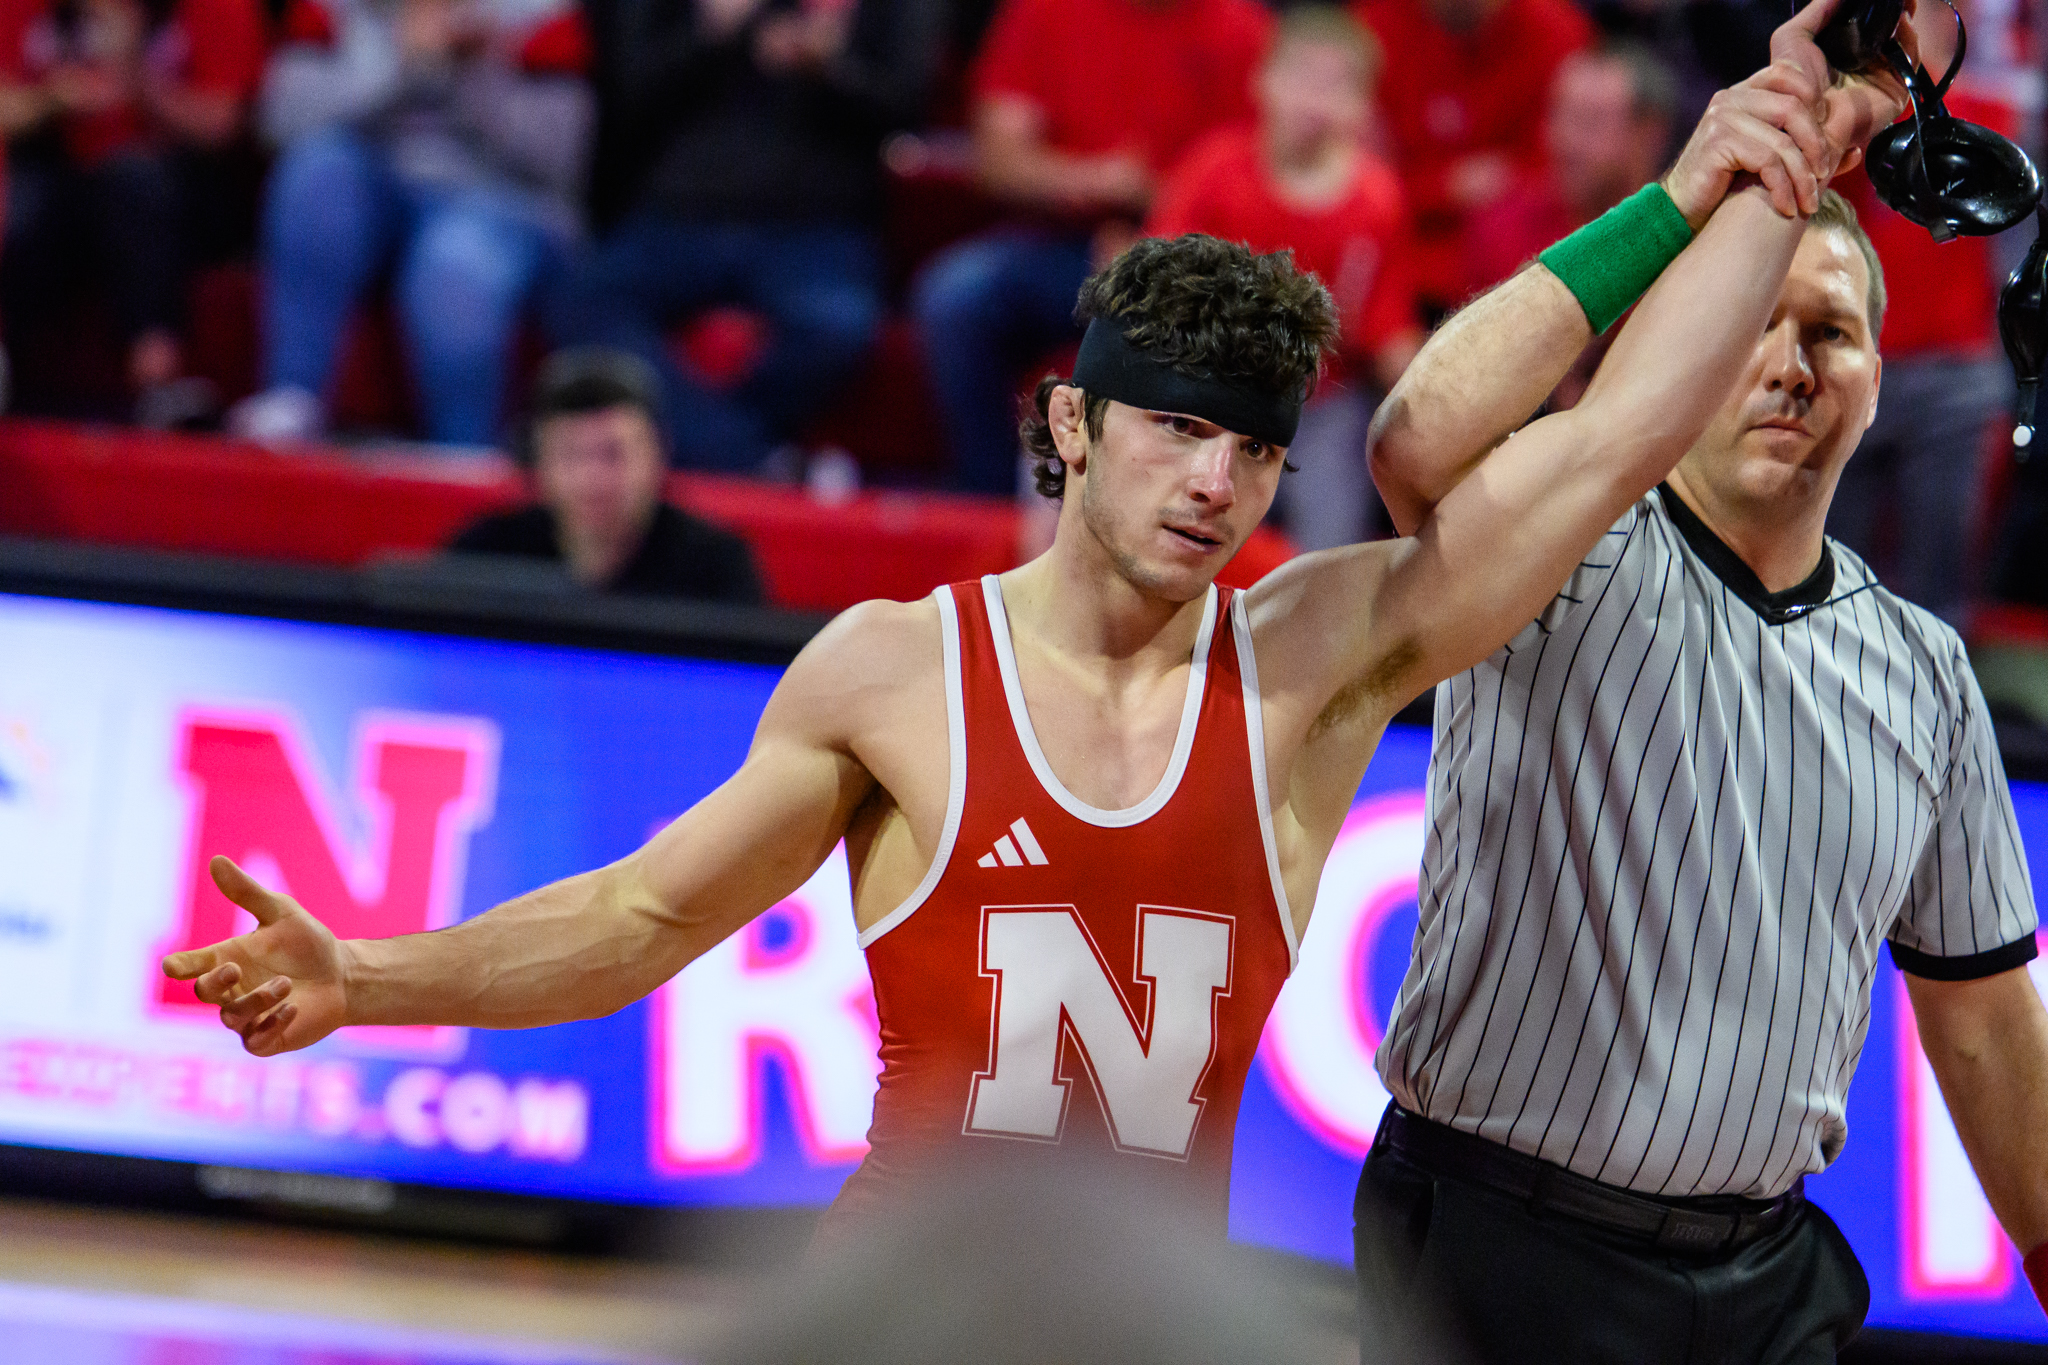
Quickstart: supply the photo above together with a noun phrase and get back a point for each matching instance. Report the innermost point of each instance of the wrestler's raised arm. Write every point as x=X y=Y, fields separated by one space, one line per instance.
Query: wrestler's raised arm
x=1347 y=636
x=1362 y=629
x=595 y=942
x=1493 y=551
x=1489 y=367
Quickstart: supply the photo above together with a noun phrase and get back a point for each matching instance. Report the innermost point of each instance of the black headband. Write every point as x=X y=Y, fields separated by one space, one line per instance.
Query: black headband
x=1109 y=366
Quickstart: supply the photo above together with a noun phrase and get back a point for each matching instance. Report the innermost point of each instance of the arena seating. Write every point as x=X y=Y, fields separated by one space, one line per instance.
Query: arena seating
x=121 y=486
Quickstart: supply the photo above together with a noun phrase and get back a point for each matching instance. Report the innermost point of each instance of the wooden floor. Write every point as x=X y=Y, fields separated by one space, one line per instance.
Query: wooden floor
x=93 y=1286
x=72 y=1278
x=83 y=1285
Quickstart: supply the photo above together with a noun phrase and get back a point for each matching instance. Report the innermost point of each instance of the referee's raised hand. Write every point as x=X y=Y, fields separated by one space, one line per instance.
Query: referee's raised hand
x=1792 y=125
x=1852 y=106
x=1859 y=106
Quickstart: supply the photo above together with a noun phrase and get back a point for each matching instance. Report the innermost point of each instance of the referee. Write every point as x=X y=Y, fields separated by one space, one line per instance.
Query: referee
x=1671 y=821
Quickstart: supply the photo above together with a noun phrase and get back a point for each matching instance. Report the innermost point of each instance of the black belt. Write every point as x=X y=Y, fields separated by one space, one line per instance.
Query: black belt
x=1665 y=1224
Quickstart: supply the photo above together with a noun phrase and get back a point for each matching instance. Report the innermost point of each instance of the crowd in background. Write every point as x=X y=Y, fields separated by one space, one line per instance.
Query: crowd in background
x=748 y=195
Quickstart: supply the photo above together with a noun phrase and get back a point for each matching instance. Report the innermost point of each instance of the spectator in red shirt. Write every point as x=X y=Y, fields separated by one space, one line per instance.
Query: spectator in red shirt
x=1460 y=99
x=1303 y=179
x=1606 y=134
x=1079 y=106
x=110 y=108
x=1908 y=502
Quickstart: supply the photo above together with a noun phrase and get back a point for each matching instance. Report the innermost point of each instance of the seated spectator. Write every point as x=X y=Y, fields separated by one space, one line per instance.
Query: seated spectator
x=1606 y=131
x=596 y=458
x=1461 y=99
x=1909 y=500
x=1079 y=106
x=114 y=112
x=440 y=143
x=760 y=186
x=1304 y=179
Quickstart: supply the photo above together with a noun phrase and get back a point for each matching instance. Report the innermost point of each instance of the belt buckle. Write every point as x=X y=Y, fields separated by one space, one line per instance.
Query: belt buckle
x=1686 y=1230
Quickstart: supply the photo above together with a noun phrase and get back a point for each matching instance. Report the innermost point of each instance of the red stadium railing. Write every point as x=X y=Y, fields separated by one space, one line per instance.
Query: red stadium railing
x=125 y=487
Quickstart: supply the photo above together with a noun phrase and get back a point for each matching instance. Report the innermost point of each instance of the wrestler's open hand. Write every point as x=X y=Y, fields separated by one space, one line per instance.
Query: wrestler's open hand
x=280 y=986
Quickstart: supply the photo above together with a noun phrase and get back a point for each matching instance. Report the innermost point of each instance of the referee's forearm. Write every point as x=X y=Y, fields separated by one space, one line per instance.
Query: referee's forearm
x=1987 y=1041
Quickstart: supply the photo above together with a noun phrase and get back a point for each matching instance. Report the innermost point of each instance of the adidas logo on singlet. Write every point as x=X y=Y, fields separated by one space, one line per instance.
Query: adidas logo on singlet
x=1007 y=853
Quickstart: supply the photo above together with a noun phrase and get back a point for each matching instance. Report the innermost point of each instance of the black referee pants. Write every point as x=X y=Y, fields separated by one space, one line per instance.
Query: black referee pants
x=1449 y=1270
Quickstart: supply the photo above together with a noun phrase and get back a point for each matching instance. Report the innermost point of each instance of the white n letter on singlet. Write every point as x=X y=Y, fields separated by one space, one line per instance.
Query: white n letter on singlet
x=1052 y=983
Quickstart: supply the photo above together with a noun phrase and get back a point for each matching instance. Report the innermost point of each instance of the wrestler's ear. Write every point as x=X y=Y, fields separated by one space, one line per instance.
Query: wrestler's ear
x=1066 y=414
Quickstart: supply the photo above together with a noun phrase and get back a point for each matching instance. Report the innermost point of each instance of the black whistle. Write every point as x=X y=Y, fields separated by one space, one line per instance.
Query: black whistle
x=2023 y=326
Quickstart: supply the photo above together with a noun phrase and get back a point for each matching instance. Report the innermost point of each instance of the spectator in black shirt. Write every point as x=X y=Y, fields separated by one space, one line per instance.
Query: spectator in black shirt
x=738 y=148
x=597 y=463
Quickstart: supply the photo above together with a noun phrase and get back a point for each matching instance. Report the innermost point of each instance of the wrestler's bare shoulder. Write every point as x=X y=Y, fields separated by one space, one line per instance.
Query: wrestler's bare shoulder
x=872 y=687
x=1312 y=618
x=876 y=668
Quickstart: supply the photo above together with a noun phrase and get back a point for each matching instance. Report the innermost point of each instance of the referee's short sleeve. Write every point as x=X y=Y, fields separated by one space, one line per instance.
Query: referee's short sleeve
x=1970 y=911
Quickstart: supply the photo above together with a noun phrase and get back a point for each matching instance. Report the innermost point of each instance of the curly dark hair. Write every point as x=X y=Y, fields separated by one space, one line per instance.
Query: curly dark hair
x=1212 y=310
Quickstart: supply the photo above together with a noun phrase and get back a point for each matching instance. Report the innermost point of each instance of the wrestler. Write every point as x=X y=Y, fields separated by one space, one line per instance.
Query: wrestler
x=1086 y=803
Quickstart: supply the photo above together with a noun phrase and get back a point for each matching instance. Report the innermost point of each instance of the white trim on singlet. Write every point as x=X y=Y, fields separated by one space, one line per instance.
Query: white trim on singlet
x=956 y=778
x=1255 y=739
x=1190 y=713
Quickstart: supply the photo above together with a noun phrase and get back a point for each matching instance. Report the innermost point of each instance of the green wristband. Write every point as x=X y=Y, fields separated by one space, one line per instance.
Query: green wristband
x=1608 y=263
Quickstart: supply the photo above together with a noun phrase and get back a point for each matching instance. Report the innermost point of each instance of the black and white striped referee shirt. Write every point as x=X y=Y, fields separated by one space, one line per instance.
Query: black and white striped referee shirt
x=1670 y=822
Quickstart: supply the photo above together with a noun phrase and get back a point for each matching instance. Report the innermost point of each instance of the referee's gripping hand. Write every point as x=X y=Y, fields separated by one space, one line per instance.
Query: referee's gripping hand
x=1792 y=125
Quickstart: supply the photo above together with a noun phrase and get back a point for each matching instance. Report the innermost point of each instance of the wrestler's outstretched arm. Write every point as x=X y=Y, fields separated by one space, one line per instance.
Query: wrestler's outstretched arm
x=1490 y=366
x=592 y=943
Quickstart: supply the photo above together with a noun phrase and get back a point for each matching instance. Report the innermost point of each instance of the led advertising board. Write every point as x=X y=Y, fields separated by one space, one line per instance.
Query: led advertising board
x=400 y=781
